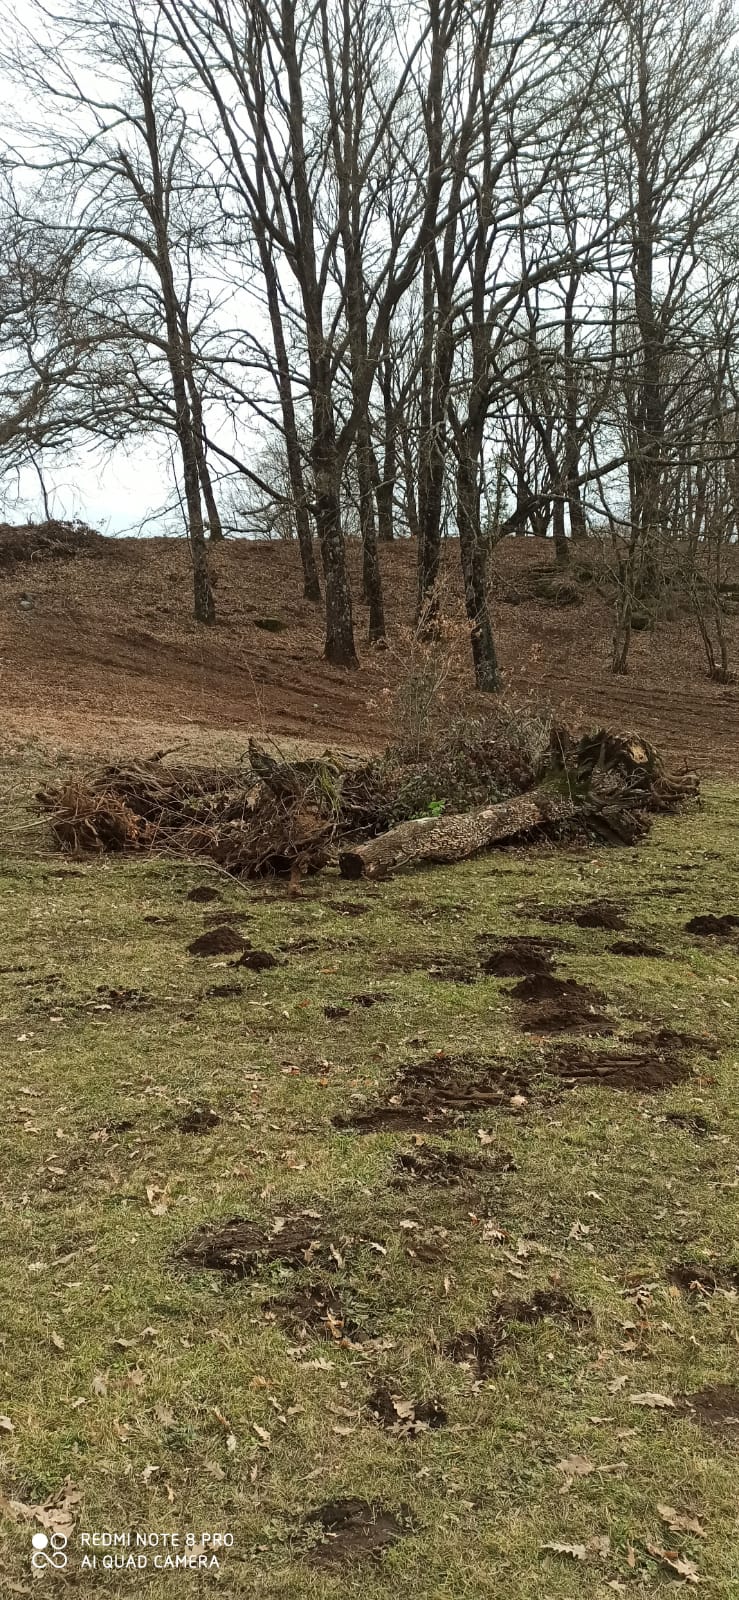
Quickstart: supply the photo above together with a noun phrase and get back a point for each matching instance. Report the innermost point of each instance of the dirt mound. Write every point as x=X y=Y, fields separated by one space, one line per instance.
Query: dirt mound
x=715 y=1407
x=665 y=1040
x=223 y=940
x=641 y=1071
x=203 y=895
x=201 y=1119
x=701 y=1279
x=636 y=947
x=543 y=986
x=519 y=958
x=240 y=1247
x=49 y=541
x=316 y=1311
x=223 y=991
x=353 y=1530
x=405 y=1418
x=441 y=1087
x=447 y=1168
x=692 y=1121
x=710 y=925
x=480 y=1347
x=559 y=1005
x=256 y=960
x=600 y=914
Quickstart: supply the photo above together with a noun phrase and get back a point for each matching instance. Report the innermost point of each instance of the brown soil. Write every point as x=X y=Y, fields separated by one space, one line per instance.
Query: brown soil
x=641 y=1071
x=353 y=1530
x=519 y=958
x=447 y=1168
x=255 y=960
x=480 y=1347
x=543 y=986
x=335 y=1013
x=559 y=1005
x=316 y=1311
x=636 y=947
x=203 y=895
x=665 y=1040
x=406 y=1418
x=565 y=1016
x=375 y=997
x=119 y=999
x=220 y=941
x=240 y=1247
x=716 y=1407
x=201 y=1119
x=700 y=1279
x=711 y=925
x=441 y=1087
x=108 y=657
x=601 y=914
x=692 y=1121
x=223 y=991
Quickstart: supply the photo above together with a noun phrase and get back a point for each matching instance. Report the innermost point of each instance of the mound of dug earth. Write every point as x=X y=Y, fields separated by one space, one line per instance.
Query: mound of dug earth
x=353 y=1530
x=240 y=1247
x=480 y=1347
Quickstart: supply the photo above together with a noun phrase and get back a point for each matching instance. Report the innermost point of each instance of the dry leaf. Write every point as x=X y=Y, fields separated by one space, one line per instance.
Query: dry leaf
x=657 y=1402
x=214 y=1471
x=6 y=1425
x=677 y=1523
x=616 y=1384
x=100 y=1383
x=148 y=1473
x=231 y=1443
x=261 y=1433
x=485 y=1138
x=577 y=1551
x=576 y=1466
x=676 y=1563
x=56 y=1514
x=57 y=1341
x=600 y=1544
x=158 y=1200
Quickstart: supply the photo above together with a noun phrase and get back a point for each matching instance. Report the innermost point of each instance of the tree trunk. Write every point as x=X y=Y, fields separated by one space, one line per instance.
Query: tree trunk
x=445 y=839
x=371 y=575
x=385 y=488
x=473 y=557
x=561 y=546
x=339 y=647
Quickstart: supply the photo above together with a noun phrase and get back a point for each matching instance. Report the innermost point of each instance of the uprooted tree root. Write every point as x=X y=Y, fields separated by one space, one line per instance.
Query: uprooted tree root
x=280 y=817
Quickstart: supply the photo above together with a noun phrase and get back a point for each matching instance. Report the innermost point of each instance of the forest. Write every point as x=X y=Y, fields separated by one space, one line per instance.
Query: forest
x=432 y=271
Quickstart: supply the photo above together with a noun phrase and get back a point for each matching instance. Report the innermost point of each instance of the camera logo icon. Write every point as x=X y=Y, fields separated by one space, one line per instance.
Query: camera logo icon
x=49 y=1551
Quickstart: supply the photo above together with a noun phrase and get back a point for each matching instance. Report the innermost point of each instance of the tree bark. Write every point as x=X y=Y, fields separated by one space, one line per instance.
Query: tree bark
x=446 y=839
x=473 y=558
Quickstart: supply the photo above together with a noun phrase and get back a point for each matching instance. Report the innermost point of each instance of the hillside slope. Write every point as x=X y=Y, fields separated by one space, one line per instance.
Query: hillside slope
x=108 y=657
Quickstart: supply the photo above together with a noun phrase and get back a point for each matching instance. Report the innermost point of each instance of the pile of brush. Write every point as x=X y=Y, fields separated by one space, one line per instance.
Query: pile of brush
x=277 y=816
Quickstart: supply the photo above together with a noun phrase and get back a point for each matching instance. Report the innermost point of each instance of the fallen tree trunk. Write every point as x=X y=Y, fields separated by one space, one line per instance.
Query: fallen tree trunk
x=447 y=839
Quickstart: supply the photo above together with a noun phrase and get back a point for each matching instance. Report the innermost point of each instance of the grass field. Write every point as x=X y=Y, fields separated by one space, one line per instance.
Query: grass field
x=524 y=1304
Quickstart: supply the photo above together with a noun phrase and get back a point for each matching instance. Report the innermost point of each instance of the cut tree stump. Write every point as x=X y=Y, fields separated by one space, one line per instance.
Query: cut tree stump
x=447 y=839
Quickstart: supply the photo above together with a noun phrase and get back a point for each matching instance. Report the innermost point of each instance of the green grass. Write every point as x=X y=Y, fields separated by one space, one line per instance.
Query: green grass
x=117 y=1361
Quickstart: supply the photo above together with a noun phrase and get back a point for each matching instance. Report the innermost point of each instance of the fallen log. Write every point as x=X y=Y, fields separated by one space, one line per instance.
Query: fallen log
x=448 y=839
